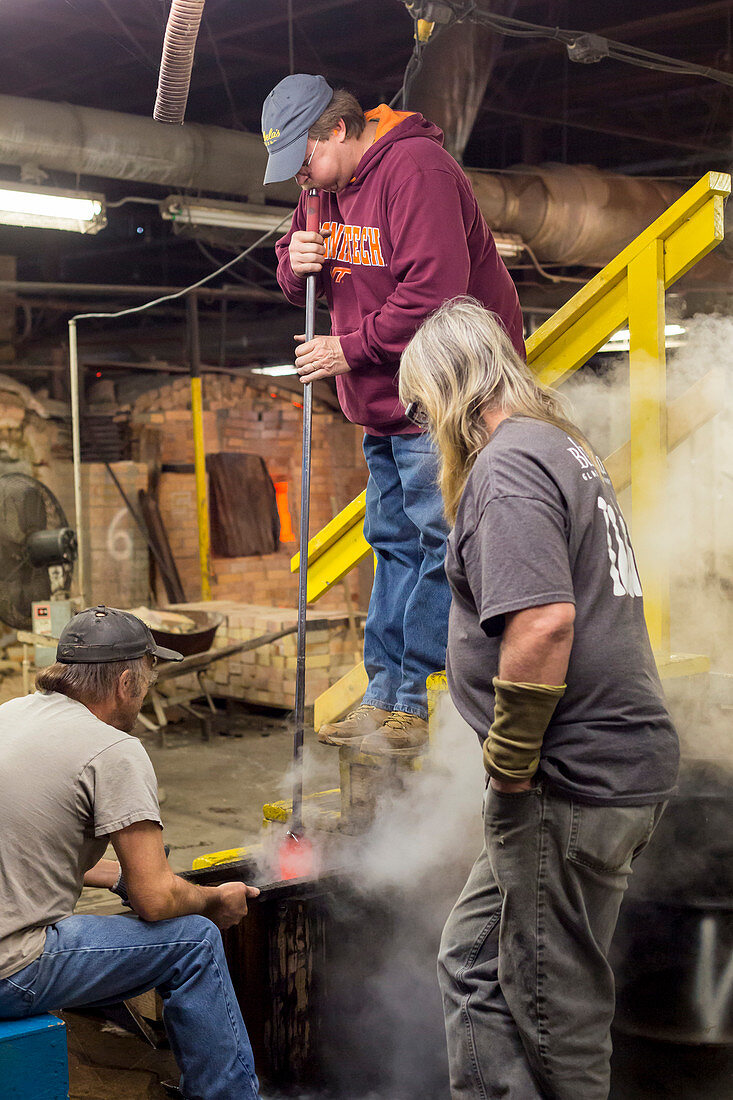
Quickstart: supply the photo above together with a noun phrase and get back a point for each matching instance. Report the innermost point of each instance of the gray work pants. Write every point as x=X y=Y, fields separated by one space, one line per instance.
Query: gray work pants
x=528 y=993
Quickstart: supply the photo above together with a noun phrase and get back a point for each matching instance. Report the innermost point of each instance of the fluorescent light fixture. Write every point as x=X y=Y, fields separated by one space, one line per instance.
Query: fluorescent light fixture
x=228 y=215
x=47 y=208
x=620 y=340
x=276 y=371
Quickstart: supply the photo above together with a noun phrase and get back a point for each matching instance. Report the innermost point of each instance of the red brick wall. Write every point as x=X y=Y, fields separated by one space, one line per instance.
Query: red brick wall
x=240 y=418
x=237 y=418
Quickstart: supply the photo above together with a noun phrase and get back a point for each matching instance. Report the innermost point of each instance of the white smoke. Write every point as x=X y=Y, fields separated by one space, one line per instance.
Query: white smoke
x=424 y=838
x=695 y=527
x=386 y=1038
x=436 y=819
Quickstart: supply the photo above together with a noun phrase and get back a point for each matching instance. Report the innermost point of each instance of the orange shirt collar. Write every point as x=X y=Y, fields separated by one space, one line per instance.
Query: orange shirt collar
x=386 y=119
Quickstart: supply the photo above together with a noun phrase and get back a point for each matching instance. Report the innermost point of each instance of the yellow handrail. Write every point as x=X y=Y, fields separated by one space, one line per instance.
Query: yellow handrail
x=629 y=289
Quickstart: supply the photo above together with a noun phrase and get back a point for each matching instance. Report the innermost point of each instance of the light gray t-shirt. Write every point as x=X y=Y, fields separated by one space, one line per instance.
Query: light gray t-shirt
x=538 y=525
x=67 y=780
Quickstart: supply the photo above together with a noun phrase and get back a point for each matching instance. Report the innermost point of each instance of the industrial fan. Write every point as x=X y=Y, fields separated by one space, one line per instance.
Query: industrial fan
x=37 y=552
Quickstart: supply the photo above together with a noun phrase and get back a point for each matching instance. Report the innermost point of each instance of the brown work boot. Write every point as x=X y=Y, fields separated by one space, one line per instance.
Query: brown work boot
x=354 y=727
x=401 y=735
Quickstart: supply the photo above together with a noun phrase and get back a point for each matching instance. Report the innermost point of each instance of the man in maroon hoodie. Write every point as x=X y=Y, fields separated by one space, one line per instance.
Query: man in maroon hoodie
x=400 y=232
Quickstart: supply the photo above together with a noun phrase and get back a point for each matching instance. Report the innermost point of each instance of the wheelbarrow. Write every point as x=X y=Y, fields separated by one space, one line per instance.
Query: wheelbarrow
x=196 y=646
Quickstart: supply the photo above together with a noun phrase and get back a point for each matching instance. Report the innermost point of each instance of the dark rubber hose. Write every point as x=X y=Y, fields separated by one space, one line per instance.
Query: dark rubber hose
x=176 y=63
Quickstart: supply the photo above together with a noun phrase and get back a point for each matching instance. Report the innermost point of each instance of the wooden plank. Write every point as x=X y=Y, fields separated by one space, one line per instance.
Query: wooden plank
x=340 y=697
x=159 y=536
x=244 y=516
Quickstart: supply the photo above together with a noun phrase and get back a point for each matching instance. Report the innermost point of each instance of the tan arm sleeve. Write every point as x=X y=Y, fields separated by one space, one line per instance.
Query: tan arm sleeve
x=522 y=713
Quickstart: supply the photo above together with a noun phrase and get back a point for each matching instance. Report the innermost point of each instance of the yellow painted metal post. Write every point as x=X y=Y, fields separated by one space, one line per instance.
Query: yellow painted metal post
x=199 y=450
x=648 y=391
x=630 y=287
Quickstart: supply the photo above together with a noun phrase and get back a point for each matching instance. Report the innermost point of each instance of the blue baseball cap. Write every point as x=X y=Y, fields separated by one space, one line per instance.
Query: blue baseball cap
x=289 y=111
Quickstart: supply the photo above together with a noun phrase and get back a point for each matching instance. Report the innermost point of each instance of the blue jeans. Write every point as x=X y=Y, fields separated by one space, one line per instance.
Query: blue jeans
x=528 y=993
x=407 y=625
x=94 y=961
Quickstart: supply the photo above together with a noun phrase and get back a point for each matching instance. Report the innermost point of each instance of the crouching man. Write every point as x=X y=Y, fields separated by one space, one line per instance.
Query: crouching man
x=72 y=779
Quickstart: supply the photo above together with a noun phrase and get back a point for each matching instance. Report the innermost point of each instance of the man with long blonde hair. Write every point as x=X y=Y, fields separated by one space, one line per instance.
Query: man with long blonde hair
x=549 y=661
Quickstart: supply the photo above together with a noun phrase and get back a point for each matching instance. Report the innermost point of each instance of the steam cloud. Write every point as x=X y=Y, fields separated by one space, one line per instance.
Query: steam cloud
x=410 y=866
x=695 y=530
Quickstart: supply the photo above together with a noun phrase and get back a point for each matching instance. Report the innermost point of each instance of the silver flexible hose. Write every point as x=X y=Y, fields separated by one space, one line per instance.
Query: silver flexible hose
x=176 y=63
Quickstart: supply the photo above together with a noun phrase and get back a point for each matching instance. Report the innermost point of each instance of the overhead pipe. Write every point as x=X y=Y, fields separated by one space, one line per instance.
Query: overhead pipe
x=567 y=214
x=133 y=290
x=571 y=214
x=86 y=141
x=456 y=67
x=176 y=66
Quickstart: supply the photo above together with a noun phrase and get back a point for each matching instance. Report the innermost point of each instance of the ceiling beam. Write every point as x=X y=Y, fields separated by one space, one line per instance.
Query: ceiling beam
x=643 y=88
x=601 y=128
x=695 y=14
x=314 y=8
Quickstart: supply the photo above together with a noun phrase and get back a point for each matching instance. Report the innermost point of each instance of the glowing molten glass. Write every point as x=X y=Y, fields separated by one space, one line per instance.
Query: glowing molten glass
x=296 y=857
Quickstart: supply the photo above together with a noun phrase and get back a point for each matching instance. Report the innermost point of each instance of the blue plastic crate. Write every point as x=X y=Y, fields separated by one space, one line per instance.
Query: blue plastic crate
x=33 y=1059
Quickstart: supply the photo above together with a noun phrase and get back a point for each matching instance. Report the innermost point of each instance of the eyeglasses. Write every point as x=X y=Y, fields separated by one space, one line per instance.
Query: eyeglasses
x=416 y=413
x=307 y=162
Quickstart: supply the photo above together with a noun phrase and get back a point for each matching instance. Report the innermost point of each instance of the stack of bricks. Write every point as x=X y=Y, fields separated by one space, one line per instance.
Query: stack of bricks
x=239 y=418
x=29 y=437
x=266 y=676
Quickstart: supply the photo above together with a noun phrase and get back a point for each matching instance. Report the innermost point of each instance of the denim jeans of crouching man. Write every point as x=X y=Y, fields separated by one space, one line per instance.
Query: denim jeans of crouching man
x=528 y=993
x=94 y=961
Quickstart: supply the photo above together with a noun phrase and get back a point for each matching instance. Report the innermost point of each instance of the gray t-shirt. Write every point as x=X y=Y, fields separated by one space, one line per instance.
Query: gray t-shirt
x=67 y=780
x=538 y=525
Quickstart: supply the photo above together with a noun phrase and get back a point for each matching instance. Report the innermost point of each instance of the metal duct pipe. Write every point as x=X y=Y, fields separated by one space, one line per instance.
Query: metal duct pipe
x=571 y=214
x=85 y=140
x=179 y=44
x=567 y=214
x=450 y=85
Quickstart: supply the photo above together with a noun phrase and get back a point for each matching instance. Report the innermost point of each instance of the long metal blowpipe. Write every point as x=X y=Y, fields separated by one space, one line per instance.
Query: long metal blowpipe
x=296 y=855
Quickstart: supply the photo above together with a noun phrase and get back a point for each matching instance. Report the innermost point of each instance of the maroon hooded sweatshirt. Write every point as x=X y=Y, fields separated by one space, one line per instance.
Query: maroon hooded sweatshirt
x=405 y=234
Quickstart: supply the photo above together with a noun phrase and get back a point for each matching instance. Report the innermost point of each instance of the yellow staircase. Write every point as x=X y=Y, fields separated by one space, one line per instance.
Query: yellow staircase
x=630 y=289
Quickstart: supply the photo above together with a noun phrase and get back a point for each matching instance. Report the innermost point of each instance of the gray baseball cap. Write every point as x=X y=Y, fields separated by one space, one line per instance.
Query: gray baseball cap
x=289 y=111
x=103 y=634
